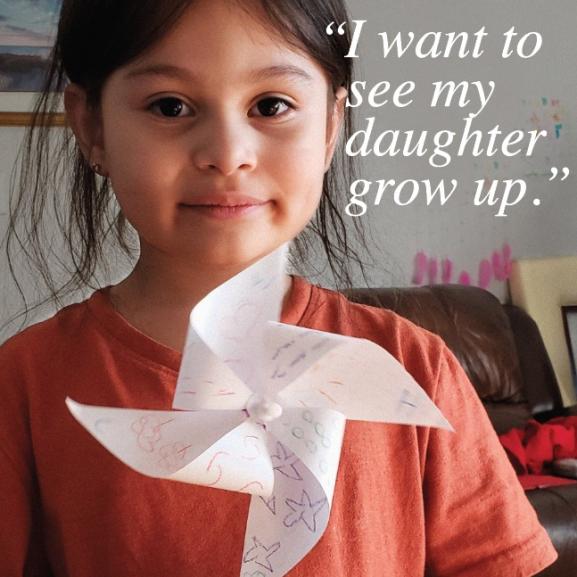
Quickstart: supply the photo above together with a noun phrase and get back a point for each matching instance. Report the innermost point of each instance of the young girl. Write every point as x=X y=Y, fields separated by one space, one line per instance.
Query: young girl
x=215 y=123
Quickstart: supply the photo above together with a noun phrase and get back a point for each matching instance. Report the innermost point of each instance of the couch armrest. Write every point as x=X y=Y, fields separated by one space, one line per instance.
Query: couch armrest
x=555 y=508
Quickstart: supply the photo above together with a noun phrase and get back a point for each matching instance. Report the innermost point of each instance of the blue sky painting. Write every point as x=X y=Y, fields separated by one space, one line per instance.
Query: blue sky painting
x=27 y=30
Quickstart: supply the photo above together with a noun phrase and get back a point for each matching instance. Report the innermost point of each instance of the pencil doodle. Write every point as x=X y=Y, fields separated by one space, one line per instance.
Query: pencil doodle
x=304 y=510
x=261 y=554
x=148 y=432
x=286 y=463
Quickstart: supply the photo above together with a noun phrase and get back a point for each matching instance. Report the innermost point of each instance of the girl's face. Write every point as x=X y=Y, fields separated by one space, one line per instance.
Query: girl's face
x=216 y=140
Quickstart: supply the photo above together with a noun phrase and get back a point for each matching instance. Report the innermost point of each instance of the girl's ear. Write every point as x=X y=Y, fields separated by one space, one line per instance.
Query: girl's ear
x=85 y=122
x=334 y=124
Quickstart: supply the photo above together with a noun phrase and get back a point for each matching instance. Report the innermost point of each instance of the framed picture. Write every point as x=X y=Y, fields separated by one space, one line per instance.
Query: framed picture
x=570 y=325
x=27 y=32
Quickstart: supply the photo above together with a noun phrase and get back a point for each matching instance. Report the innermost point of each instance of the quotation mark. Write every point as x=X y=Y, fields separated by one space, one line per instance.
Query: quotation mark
x=340 y=30
x=554 y=175
x=555 y=172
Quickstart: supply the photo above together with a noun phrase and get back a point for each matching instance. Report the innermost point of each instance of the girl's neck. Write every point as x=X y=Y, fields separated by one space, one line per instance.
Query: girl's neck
x=157 y=297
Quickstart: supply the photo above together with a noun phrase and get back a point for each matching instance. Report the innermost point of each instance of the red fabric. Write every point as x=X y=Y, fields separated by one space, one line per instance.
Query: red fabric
x=409 y=501
x=512 y=442
x=533 y=448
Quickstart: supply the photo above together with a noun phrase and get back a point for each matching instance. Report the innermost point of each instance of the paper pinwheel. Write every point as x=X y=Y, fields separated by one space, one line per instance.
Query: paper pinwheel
x=261 y=408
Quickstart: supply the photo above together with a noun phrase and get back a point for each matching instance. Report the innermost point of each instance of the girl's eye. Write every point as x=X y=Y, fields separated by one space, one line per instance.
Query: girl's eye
x=172 y=107
x=270 y=107
x=169 y=107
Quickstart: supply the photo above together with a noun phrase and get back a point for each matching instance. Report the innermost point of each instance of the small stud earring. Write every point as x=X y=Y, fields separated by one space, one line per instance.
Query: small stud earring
x=97 y=168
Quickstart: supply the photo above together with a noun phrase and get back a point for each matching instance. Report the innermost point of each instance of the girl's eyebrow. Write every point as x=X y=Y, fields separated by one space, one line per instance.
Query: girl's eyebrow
x=171 y=71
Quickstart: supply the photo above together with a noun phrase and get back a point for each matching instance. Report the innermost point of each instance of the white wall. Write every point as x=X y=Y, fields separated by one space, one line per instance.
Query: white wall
x=464 y=233
x=9 y=140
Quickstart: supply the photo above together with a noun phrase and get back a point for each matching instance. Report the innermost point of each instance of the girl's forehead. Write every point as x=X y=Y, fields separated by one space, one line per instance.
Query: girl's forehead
x=218 y=38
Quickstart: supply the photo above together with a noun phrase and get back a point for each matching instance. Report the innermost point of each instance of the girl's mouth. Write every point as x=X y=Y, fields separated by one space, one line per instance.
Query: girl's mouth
x=226 y=211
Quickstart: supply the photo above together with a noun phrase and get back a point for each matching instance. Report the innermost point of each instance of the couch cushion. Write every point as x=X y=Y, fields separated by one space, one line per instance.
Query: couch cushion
x=473 y=324
x=507 y=416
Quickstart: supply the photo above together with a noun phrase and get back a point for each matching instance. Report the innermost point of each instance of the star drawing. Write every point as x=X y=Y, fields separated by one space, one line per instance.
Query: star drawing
x=286 y=463
x=305 y=511
x=270 y=504
x=260 y=554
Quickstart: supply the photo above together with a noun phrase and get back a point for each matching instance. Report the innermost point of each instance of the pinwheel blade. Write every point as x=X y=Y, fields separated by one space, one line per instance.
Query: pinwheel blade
x=239 y=461
x=231 y=320
x=205 y=382
x=213 y=448
x=315 y=436
x=366 y=383
x=285 y=526
x=292 y=350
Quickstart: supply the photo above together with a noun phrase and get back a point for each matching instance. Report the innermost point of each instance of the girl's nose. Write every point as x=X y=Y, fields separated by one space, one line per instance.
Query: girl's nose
x=225 y=145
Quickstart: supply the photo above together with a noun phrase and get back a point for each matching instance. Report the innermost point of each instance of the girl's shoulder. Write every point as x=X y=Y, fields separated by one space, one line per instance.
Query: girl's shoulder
x=332 y=311
x=335 y=310
x=39 y=340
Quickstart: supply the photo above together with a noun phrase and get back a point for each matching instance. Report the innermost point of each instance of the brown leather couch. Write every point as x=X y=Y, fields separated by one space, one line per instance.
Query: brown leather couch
x=501 y=349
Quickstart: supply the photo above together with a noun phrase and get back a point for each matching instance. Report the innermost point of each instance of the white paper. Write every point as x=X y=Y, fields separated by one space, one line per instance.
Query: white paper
x=263 y=407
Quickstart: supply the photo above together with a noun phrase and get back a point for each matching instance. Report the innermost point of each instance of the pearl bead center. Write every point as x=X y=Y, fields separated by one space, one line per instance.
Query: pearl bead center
x=263 y=410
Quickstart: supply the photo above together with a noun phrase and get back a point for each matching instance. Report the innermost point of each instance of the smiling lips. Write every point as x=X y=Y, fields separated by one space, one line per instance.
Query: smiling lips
x=225 y=205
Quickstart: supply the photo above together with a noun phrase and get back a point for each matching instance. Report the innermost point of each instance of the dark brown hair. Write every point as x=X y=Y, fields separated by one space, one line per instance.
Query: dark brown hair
x=55 y=179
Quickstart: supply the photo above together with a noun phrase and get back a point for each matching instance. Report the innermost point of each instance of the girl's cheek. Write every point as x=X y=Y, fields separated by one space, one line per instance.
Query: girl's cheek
x=143 y=159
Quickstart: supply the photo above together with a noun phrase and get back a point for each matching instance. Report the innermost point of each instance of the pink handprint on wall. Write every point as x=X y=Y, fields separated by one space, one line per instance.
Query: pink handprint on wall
x=497 y=267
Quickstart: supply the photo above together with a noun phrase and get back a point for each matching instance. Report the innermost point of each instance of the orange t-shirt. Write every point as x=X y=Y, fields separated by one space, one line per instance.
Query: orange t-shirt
x=409 y=501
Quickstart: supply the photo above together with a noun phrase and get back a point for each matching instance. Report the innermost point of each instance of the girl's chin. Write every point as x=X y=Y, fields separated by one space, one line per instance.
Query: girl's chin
x=222 y=254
